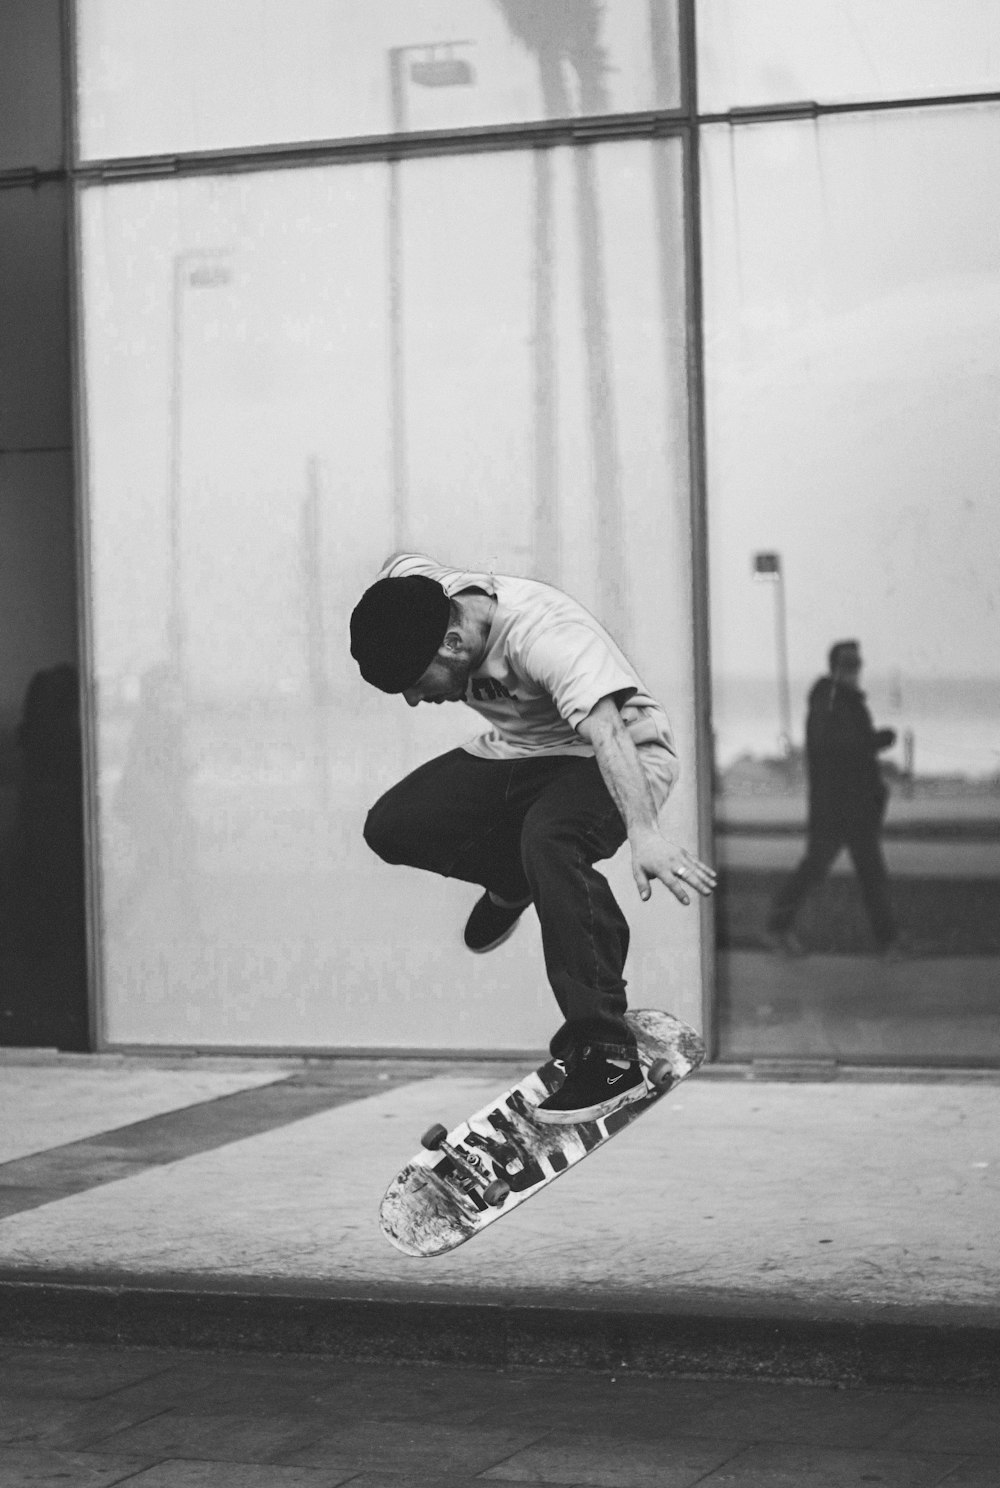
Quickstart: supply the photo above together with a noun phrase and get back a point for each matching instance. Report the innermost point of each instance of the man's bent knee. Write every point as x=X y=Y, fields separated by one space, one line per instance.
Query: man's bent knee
x=385 y=833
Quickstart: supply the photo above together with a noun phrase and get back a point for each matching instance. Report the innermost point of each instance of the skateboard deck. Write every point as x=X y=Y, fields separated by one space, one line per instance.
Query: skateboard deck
x=467 y=1178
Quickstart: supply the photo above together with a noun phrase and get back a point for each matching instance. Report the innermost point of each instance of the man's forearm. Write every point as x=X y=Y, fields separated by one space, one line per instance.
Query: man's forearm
x=653 y=857
x=620 y=767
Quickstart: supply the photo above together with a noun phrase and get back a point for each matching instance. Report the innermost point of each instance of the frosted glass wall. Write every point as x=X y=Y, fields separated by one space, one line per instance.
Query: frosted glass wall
x=203 y=74
x=287 y=375
x=755 y=52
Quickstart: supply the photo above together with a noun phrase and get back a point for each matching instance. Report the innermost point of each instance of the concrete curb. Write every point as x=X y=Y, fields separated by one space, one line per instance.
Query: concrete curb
x=846 y=1349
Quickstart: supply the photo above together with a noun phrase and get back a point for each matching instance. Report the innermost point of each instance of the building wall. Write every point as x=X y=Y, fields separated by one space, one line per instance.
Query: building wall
x=37 y=603
x=43 y=980
x=473 y=277
x=480 y=353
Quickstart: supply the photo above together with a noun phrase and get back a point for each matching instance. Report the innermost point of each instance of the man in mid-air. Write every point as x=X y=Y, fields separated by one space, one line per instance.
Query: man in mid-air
x=577 y=759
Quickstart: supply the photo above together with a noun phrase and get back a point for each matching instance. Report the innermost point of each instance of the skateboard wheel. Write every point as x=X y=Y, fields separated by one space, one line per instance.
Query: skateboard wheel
x=433 y=1137
x=661 y=1075
x=495 y=1194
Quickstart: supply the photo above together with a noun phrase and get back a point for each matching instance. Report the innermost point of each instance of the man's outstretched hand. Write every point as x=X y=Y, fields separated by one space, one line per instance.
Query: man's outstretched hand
x=654 y=857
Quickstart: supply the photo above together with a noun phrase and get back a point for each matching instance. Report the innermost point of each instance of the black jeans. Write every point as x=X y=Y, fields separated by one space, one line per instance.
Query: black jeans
x=527 y=827
x=823 y=845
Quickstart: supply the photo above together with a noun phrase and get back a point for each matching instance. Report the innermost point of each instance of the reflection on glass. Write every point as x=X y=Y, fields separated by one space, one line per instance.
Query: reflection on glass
x=152 y=808
x=847 y=798
x=239 y=379
x=853 y=321
x=781 y=51
x=42 y=916
x=204 y=74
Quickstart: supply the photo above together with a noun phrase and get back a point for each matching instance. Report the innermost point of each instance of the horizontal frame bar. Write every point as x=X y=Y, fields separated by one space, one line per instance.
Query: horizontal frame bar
x=390 y=147
x=387 y=147
x=777 y=113
x=30 y=175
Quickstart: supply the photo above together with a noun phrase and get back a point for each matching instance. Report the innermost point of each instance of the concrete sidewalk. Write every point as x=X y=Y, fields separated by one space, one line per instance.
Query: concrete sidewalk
x=841 y=1230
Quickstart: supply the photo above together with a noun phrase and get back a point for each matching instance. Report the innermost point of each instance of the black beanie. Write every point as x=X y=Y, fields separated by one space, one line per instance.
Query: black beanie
x=396 y=629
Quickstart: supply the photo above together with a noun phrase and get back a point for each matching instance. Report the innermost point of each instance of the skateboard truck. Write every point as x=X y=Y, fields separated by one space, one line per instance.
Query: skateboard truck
x=661 y=1075
x=493 y=1190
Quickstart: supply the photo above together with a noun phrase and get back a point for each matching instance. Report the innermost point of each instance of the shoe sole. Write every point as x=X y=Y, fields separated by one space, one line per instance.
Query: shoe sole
x=481 y=950
x=591 y=1113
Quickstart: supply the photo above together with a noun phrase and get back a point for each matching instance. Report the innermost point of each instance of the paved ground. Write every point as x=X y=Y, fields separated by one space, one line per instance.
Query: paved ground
x=870 y=1194
x=840 y=1230
x=160 y=1419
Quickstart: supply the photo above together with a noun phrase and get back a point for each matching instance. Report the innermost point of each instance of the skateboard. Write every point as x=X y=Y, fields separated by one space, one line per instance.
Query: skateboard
x=467 y=1178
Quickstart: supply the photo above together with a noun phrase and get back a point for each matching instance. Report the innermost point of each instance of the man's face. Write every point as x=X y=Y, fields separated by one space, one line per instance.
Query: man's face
x=445 y=681
x=848 y=669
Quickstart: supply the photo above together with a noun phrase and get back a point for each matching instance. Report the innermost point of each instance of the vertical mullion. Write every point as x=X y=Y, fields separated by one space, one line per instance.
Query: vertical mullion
x=695 y=350
x=81 y=525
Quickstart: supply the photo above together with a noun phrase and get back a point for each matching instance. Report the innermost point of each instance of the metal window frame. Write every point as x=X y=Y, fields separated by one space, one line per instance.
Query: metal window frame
x=698 y=499
x=683 y=122
x=93 y=874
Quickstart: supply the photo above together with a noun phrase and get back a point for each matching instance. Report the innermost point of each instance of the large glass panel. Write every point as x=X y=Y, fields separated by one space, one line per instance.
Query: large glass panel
x=288 y=375
x=205 y=74
x=840 y=51
x=853 y=365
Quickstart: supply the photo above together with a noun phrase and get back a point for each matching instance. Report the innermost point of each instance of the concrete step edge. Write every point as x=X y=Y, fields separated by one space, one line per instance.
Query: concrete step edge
x=844 y=1350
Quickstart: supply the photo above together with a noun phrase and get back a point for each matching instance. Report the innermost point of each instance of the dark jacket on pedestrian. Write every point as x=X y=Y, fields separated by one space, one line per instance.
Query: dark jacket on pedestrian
x=846 y=788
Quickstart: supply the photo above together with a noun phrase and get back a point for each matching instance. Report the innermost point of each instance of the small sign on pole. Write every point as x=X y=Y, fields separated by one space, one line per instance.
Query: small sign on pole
x=767 y=570
x=767 y=567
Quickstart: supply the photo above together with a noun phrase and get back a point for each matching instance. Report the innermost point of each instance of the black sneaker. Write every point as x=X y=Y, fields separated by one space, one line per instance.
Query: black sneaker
x=553 y=1074
x=490 y=924
x=594 y=1087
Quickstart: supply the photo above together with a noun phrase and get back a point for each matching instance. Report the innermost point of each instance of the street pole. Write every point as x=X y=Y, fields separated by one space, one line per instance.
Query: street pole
x=784 y=686
x=214 y=271
x=175 y=647
x=435 y=71
x=547 y=546
x=311 y=542
x=768 y=569
x=397 y=373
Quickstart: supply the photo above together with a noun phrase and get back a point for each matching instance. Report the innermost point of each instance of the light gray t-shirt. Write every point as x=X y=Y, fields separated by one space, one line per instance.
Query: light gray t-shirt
x=547 y=664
